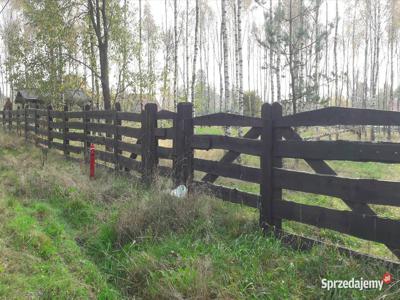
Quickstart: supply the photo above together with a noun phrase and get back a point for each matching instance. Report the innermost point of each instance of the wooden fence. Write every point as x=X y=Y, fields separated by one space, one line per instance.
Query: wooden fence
x=272 y=138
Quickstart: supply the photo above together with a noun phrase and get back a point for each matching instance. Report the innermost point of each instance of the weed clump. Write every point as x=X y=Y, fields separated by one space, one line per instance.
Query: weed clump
x=154 y=214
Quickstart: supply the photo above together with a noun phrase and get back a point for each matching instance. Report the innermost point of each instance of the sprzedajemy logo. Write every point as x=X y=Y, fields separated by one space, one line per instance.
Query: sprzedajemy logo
x=359 y=284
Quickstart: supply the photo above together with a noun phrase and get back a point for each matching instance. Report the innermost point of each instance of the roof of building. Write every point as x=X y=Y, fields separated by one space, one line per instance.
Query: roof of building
x=24 y=96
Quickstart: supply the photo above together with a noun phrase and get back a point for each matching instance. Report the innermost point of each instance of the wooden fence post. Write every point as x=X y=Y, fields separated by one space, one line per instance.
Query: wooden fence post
x=65 y=131
x=149 y=143
x=183 y=158
x=10 y=113
x=26 y=122
x=277 y=161
x=49 y=128
x=86 y=143
x=18 y=122
x=266 y=163
x=3 y=116
x=117 y=137
x=36 y=120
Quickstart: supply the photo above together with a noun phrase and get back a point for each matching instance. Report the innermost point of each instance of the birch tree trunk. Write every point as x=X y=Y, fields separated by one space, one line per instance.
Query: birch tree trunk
x=225 y=56
x=271 y=56
x=391 y=50
x=140 y=57
x=335 y=42
x=175 y=54
x=196 y=49
x=187 y=46
x=240 y=54
x=278 y=60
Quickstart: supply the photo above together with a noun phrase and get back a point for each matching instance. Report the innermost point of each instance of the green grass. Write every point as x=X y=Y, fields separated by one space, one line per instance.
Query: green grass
x=63 y=236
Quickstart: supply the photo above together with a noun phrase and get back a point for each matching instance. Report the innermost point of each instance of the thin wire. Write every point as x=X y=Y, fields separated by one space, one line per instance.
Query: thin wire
x=4 y=7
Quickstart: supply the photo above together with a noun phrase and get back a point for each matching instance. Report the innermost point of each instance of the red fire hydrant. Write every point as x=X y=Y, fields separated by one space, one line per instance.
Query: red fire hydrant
x=92 y=160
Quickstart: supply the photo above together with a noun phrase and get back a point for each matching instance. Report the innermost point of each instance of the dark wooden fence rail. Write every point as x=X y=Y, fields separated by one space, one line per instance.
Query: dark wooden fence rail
x=130 y=141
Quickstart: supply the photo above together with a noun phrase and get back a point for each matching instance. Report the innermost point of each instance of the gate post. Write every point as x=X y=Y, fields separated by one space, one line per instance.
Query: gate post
x=117 y=137
x=10 y=114
x=35 y=120
x=18 y=121
x=183 y=153
x=26 y=122
x=149 y=143
x=65 y=131
x=86 y=143
x=49 y=128
x=277 y=162
x=266 y=163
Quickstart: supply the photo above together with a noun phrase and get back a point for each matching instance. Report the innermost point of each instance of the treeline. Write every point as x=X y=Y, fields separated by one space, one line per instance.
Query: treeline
x=226 y=55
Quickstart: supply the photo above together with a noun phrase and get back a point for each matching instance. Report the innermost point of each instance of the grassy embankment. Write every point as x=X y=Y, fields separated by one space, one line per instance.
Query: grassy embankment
x=63 y=236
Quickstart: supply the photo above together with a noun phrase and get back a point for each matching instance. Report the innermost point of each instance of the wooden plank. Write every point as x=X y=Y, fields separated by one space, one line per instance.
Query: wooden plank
x=74 y=149
x=56 y=135
x=130 y=131
x=228 y=170
x=132 y=148
x=339 y=150
x=165 y=133
x=100 y=114
x=75 y=114
x=75 y=136
x=299 y=242
x=166 y=115
x=319 y=166
x=322 y=167
x=227 y=194
x=368 y=227
x=129 y=116
x=55 y=114
x=331 y=116
x=226 y=119
x=164 y=152
x=56 y=125
x=57 y=146
x=229 y=157
x=242 y=145
x=75 y=125
x=100 y=140
x=367 y=191
x=69 y=148
x=105 y=156
x=100 y=127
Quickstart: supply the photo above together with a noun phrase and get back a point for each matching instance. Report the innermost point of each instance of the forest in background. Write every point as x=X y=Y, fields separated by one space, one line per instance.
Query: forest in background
x=222 y=55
